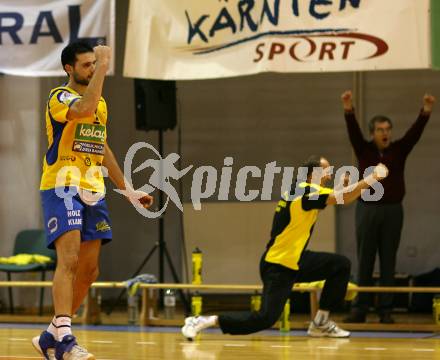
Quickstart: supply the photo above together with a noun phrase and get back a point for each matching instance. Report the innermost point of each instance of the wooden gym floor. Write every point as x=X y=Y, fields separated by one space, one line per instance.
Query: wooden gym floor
x=167 y=343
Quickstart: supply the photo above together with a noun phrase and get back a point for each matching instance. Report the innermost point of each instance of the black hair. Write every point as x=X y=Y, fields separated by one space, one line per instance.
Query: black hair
x=313 y=161
x=68 y=55
x=378 y=119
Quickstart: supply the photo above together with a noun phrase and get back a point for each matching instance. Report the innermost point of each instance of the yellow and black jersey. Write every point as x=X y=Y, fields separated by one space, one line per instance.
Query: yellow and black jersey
x=77 y=144
x=293 y=224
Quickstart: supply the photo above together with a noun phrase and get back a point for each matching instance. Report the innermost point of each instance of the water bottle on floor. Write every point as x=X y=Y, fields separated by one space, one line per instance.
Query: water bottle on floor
x=196 y=304
x=284 y=321
x=436 y=309
x=133 y=309
x=169 y=302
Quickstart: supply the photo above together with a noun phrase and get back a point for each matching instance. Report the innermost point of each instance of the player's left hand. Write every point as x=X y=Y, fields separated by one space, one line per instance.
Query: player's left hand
x=139 y=198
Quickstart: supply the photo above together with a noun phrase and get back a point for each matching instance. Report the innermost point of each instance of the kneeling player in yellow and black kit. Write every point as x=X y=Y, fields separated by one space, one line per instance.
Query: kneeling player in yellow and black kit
x=286 y=261
x=72 y=191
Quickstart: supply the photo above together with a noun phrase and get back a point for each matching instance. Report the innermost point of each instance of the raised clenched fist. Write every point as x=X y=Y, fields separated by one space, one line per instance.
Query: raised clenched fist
x=102 y=53
x=347 y=100
x=428 y=102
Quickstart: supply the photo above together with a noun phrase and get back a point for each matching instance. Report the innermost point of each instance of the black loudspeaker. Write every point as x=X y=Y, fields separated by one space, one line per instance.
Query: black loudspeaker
x=155 y=104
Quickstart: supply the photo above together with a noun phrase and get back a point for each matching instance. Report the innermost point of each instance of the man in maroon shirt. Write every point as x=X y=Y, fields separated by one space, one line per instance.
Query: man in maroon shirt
x=379 y=223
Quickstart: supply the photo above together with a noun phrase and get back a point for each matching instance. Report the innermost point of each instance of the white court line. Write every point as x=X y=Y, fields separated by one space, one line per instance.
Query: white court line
x=146 y=343
x=17 y=339
x=423 y=350
x=19 y=357
x=235 y=345
x=187 y=343
x=281 y=346
x=328 y=347
x=375 y=349
x=102 y=341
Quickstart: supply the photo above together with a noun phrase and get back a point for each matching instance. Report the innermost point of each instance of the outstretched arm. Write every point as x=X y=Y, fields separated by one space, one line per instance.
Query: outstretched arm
x=354 y=131
x=414 y=133
x=352 y=192
x=117 y=177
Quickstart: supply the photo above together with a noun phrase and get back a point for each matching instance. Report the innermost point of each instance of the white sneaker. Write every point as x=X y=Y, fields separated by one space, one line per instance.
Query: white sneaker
x=193 y=325
x=78 y=353
x=68 y=349
x=50 y=351
x=329 y=329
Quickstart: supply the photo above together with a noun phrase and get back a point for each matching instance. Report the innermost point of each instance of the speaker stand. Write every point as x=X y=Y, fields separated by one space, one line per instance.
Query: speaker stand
x=161 y=246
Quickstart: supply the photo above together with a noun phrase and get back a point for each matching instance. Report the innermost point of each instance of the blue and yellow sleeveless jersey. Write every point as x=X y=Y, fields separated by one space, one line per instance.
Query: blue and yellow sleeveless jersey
x=76 y=147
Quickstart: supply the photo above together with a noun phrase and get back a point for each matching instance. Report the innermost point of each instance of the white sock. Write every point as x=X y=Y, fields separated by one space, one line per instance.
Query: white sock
x=208 y=321
x=64 y=326
x=53 y=328
x=321 y=317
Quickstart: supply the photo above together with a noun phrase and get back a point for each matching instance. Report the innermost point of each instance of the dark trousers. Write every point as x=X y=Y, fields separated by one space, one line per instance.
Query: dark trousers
x=277 y=285
x=378 y=229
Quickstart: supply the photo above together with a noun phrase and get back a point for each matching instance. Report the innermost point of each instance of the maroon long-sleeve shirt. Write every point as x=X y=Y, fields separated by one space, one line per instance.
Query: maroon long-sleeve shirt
x=394 y=156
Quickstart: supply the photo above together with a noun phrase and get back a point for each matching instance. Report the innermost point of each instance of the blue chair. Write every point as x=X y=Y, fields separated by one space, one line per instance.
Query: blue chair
x=30 y=242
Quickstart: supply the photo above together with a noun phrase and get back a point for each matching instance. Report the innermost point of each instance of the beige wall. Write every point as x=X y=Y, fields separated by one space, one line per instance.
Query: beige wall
x=234 y=235
x=20 y=168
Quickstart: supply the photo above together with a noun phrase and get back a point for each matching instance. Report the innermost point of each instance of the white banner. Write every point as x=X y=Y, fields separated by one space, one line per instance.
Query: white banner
x=194 y=39
x=34 y=32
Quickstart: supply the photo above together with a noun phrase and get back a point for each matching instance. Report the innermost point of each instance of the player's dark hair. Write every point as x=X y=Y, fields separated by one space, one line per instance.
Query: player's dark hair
x=68 y=55
x=378 y=119
x=313 y=161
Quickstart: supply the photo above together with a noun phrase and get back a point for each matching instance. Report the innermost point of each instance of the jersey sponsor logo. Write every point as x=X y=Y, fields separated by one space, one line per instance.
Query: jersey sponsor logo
x=87 y=161
x=52 y=225
x=89 y=132
x=67 y=158
x=73 y=213
x=103 y=226
x=65 y=97
x=76 y=215
x=74 y=222
x=88 y=147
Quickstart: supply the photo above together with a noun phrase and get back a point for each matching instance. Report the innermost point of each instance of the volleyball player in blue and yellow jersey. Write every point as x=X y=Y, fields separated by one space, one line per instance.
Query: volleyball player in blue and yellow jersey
x=72 y=191
x=78 y=143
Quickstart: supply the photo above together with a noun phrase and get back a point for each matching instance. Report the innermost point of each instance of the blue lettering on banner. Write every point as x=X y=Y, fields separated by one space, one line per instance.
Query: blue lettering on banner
x=194 y=29
x=74 y=24
x=208 y=25
x=244 y=8
x=12 y=22
x=224 y=20
x=353 y=3
x=11 y=29
x=314 y=10
x=274 y=16
x=53 y=30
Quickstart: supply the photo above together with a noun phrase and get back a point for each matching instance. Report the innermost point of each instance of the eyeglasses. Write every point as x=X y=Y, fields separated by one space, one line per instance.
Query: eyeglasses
x=383 y=130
